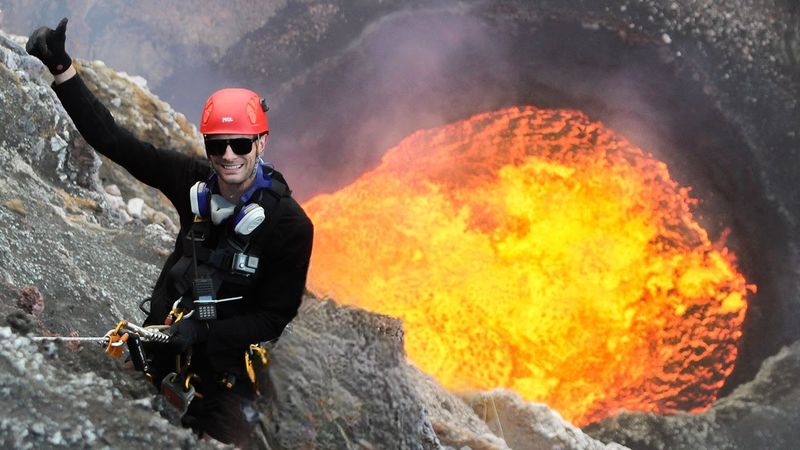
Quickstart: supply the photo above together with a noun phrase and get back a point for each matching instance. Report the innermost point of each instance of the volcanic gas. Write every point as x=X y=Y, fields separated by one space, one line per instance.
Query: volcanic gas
x=537 y=250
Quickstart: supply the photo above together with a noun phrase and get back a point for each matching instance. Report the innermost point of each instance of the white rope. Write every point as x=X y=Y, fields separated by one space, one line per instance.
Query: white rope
x=497 y=419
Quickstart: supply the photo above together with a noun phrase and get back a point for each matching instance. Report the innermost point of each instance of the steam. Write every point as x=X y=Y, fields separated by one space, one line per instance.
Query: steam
x=408 y=71
x=419 y=69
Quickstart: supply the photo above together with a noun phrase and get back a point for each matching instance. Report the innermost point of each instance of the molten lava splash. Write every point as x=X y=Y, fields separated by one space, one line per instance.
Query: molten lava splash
x=538 y=251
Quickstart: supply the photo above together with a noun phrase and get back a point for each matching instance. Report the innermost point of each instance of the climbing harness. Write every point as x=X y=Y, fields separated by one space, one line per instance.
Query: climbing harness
x=228 y=249
x=230 y=252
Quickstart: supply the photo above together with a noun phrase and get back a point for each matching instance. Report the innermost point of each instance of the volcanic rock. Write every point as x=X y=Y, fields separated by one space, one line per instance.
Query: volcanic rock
x=20 y=322
x=760 y=414
x=31 y=300
x=335 y=375
x=38 y=125
x=45 y=406
x=529 y=426
x=133 y=106
x=338 y=378
x=149 y=119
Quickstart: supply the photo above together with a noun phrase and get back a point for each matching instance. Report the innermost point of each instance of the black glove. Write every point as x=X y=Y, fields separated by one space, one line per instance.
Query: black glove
x=185 y=333
x=48 y=45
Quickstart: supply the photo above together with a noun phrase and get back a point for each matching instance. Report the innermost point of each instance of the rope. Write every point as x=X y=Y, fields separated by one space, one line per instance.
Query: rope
x=486 y=399
x=497 y=419
x=116 y=336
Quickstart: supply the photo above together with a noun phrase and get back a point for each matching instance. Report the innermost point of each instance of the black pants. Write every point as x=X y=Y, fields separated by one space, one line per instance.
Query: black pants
x=225 y=415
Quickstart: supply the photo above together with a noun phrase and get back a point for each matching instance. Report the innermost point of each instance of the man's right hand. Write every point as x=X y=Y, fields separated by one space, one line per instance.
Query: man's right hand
x=185 y=333
x=48 y=45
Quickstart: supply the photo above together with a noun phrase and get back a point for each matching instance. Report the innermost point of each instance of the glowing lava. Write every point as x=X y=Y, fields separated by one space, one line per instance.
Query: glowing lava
x=538 y=251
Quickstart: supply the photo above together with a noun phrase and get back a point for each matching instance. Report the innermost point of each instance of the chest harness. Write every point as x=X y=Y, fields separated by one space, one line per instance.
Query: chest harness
x=224 y=245
x=225 y=242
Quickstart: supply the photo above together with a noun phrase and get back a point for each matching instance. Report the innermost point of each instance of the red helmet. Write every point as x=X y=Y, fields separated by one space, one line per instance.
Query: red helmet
x=234 y=111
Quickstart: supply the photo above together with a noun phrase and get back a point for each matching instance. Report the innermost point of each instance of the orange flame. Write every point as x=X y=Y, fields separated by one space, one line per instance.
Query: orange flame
x=538 y=251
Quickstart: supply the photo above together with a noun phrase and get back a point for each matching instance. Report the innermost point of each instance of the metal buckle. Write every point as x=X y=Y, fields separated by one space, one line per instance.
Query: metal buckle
x=244 y=264
x=173 y=391
x=196 y=237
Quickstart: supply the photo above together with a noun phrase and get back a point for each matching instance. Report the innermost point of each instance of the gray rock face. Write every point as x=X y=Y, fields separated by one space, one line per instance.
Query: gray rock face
x=68 y=267
x=760 y=414
x=37 y=128
x=149 y=119
x=44 y=406
x=62 y=152
x=530 y=426
x=53 y=234
x=338 y=379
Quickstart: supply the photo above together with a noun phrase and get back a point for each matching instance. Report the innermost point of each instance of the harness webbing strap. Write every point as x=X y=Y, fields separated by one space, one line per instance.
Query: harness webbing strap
x=216 y=262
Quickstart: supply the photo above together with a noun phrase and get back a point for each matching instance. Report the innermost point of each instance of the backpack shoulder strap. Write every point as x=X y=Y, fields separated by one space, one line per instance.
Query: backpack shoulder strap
x=272 y=199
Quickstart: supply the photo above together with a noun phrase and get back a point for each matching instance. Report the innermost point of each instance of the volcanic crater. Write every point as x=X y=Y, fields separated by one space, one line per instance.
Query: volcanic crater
x=664 y=93
x=709 y=89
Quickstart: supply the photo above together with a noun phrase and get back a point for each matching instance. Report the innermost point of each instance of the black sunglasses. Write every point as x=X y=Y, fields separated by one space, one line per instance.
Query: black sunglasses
x=240 y=146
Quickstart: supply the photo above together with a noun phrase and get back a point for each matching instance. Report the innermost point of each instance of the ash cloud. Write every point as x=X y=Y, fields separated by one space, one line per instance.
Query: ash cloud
x=408 y=71
x=417 y=69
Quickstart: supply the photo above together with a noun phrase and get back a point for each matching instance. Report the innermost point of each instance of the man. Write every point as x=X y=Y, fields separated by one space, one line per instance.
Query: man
x=238 y=271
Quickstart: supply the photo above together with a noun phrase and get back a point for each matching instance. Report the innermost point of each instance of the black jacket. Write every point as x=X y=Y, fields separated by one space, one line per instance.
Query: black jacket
x=270 y=301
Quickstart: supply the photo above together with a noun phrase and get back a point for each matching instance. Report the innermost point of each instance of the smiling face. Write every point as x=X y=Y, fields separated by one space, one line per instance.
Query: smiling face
x=236 y=172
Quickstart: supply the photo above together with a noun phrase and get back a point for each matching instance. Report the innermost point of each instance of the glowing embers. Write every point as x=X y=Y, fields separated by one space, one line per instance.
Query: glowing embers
x=536 y=250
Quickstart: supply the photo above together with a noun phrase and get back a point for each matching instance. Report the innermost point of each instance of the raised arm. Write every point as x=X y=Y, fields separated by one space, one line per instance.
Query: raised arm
x=169 y=171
